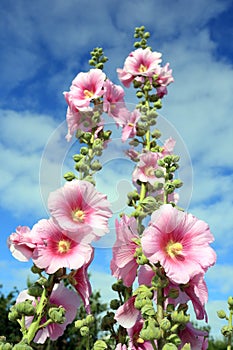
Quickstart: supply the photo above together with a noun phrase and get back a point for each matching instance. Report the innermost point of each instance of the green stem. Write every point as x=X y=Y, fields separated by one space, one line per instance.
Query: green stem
x=230 y=336
x=160 y=309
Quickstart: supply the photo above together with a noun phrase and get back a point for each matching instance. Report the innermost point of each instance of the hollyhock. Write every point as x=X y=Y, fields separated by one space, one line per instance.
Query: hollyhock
x=83 y=285
x=145 y=169
x=22 y=243
x=180 y=242
x=113 y=100
x=57 y=249
x=85 y=87
x=77 y=206
x=168 y=147
x=164 y=79
x=80 y=119
x=123 y=264
x=135 y=341
x=129 y=127
x=121 y=347
x=141 y=62
x=60 y=296
x=127 y=315
x=195 y=337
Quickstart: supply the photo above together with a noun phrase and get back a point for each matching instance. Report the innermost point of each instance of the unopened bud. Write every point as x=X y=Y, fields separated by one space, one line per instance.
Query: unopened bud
x=96 y=166
x=35 y=290
x=177 y=183
x=100 y=345
x=100 y=65
x=165 y=324
x=150 y=331
x=6 y=346
x=25 y=308
x=79 y=323
x=57 y=314
x=69 y=176
x=22 y=347
x=226 y=331
x=230 y=301
x=114 y=304
x=159 y=173
x=89 y=319
x=221 y=314
x=84 y=331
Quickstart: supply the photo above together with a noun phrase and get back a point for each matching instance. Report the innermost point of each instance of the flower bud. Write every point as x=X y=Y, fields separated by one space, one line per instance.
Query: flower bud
x=96 y=166
x=180 y=317
x=230 y=301
x=99 y=65
x=79 y=323
x=165 y=324
x=221 y=314
x=226 y=331
x=25 y=308
x=159 y=173
x=177 y=183
x=158 y=104
x=114 y=304
x=35 y=290
x=169 y=346
x=174 y=339
x=84 y=331
x=149 y=204
x=57 y=314
x=84 y=151
x=139 y=94
x=36 y=269
x=150 y=331
x=148 y=310
x=100 y=345
x=69 y=176
x=156 y=133
x=13 y=314
x=89 y=319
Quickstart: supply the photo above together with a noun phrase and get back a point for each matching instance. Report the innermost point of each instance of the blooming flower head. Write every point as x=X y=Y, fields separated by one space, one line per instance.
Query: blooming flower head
x=141 y=62
x=180 y=242
x=60 y=296
x=146 y=167
x=80 y=119
x=164 y=79
x=22 y=243
x=78 y=206
x=85 y=87
x=123 y=264
x=130 y=124
x=57 y=249
x=113 y=99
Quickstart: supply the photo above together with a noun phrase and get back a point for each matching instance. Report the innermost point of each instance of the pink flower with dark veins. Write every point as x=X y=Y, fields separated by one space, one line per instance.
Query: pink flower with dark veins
x=22 y=243
x=127 y=315
x=78 y=205
x=113 y=100
x=179 y=242
x=195 y=337
x=141 y=62
x=130 y=124
x=85 y=87
x=58 y=250
x=60 y=296
x=146 y=167
x=123 y=264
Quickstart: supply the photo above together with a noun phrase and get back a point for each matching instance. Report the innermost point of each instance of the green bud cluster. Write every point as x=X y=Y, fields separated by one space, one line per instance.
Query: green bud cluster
x=4 y=345
x=227 y=330
x=141 y=34
x=97 y=58
x=88 y=321
x=57 y=314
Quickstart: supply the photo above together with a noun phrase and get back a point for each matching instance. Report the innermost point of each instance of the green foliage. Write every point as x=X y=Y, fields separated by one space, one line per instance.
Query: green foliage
x=8 y=328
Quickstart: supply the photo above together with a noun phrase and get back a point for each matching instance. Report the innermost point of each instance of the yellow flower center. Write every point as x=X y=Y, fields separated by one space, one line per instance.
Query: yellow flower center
x=150 y=171
x=142 y=68
x=174 y=248
x=78 y=215
x=63 y=246
x=88 y=94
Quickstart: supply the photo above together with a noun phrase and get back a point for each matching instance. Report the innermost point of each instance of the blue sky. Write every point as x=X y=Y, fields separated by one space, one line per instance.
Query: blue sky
x=44 y=44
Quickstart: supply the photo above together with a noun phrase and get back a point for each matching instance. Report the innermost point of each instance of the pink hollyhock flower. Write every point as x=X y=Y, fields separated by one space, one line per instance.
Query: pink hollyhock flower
x=129 y=128
x=123 y=264
x=83 y=285
x=127 y=315
x=22 y=243
x=168 y=147
x=141 y=62
x=78 y=205
x=131 y=153
x=146 y=167
x=195 y=337
x=57 y=249
x=79 y=119
x=180 y=242
x=60 y=296
x=85 y=87
x=135 y=341
x=121 y=347
x=113 y=99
